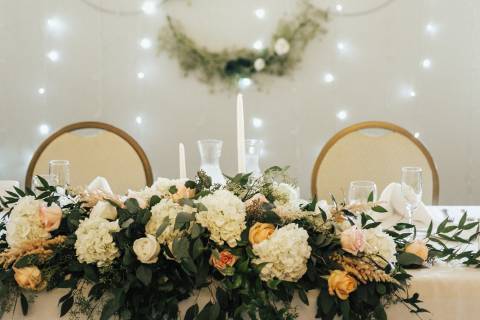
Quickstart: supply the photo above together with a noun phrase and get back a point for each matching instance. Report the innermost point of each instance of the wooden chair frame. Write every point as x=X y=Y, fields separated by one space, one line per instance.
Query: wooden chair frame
x=91 y=125
x=377 y=125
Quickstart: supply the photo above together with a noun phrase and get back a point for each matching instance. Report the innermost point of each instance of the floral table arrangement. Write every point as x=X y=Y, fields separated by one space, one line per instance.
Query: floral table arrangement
x=251 y=242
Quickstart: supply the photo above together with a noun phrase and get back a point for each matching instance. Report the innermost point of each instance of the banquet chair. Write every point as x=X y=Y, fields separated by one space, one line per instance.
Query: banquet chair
x=94 y=149
x=373 y=151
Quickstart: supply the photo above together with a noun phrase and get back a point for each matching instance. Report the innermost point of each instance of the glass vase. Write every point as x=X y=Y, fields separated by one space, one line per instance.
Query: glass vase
x=210 y=153
x=253 y=150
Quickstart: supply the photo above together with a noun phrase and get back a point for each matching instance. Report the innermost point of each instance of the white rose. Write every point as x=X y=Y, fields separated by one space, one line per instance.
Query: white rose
x=105 y=210
x=259 y=64
x=282 y=47
x=147 y=249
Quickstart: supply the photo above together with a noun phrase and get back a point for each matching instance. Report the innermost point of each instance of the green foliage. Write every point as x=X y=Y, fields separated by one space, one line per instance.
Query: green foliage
x=130 y=289
x=229 y=65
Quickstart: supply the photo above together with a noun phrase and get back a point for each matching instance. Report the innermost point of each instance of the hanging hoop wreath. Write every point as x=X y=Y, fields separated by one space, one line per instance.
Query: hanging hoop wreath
x=229 y=66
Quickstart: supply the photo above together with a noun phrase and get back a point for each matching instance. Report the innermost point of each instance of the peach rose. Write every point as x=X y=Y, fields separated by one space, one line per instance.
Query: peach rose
x=183 y=193
x=352 y=240
x=51 y=217
x=29 y=278
x=259 y=232
x=418 y=248
x=226 y=259
x=341 y=284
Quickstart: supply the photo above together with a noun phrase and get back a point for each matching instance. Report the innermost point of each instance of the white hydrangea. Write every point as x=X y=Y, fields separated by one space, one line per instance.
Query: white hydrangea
x=285 y=253
x=95 y=242
x=380 y=243
x=224 y=218
x=166 y=208
x=24 y=223
x=284 y=193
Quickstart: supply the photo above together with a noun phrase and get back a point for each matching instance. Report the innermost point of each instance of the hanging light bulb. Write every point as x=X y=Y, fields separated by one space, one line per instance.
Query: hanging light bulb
x=146 y=43
x=53 y=55
x=260 y=13
x=149 y=7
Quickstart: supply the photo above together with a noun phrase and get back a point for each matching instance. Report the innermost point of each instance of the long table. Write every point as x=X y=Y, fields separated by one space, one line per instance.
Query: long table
x=449 y=291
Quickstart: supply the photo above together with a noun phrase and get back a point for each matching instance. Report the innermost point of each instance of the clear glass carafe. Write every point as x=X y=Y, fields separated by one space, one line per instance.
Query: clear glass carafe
x=253 y=151
x=210 y=153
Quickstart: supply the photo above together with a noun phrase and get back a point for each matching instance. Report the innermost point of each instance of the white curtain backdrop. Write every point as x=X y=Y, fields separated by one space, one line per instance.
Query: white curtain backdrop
x=412 y=62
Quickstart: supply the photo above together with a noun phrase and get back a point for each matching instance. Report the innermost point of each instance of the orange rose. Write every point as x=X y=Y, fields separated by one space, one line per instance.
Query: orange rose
x=418 y=248
x=183 y=193
x=341 y=284
x=225 y=259
x=29 y=278
x=51 y=217
x=259 y=232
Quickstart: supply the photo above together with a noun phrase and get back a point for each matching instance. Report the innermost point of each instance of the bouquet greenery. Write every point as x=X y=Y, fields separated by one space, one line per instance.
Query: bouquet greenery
x=252 y=244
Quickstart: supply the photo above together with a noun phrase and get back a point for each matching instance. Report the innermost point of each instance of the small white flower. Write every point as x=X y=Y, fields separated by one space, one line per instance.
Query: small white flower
x=224 y=218
x=95 y=242
x=259 y=64
x=282 y=47
x=146 y=249
x=284 y=193
x=285 y=253
x=105 y=210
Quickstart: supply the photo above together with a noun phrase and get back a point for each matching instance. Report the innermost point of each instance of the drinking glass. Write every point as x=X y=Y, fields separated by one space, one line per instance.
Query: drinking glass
x=61 y=170
x=412 y=189
x=210 y=153
x=253 y=150
x=360 y=191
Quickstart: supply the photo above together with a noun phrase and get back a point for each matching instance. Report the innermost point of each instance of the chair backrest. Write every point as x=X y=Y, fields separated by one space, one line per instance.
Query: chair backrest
x=374 y=151
x=94 y=149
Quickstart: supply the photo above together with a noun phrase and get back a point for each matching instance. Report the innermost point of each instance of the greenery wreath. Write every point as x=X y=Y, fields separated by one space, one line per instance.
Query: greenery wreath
x=229 y=66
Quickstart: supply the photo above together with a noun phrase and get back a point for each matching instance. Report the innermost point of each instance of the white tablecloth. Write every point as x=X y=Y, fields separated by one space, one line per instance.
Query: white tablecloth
x=449 y=291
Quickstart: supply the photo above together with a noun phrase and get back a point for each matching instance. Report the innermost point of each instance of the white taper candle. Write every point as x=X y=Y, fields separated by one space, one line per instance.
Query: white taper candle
x=182 y=165
x=240 y=135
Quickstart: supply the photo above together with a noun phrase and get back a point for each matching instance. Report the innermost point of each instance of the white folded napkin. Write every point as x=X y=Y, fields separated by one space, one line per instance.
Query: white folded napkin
x=7 y=185
x=99 y=184
x=392 y=199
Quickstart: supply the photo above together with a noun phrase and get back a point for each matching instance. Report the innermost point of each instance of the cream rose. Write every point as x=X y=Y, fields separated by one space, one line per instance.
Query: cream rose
x=352 y=240
x=282 y=47
x=147 y=249
x=50 y=217
x=418 y=248
x=103 y=209
x=29 y=278
x=259 y=232
x=341 y=284
x=259 y=64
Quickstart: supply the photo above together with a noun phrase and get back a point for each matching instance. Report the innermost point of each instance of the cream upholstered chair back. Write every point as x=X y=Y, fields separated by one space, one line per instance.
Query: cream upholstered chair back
x=372 y=151
x=95 y=149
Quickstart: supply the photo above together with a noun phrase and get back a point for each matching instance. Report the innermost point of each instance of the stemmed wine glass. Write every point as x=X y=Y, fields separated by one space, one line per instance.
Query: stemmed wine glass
x=360 y=191
x=412 y=189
